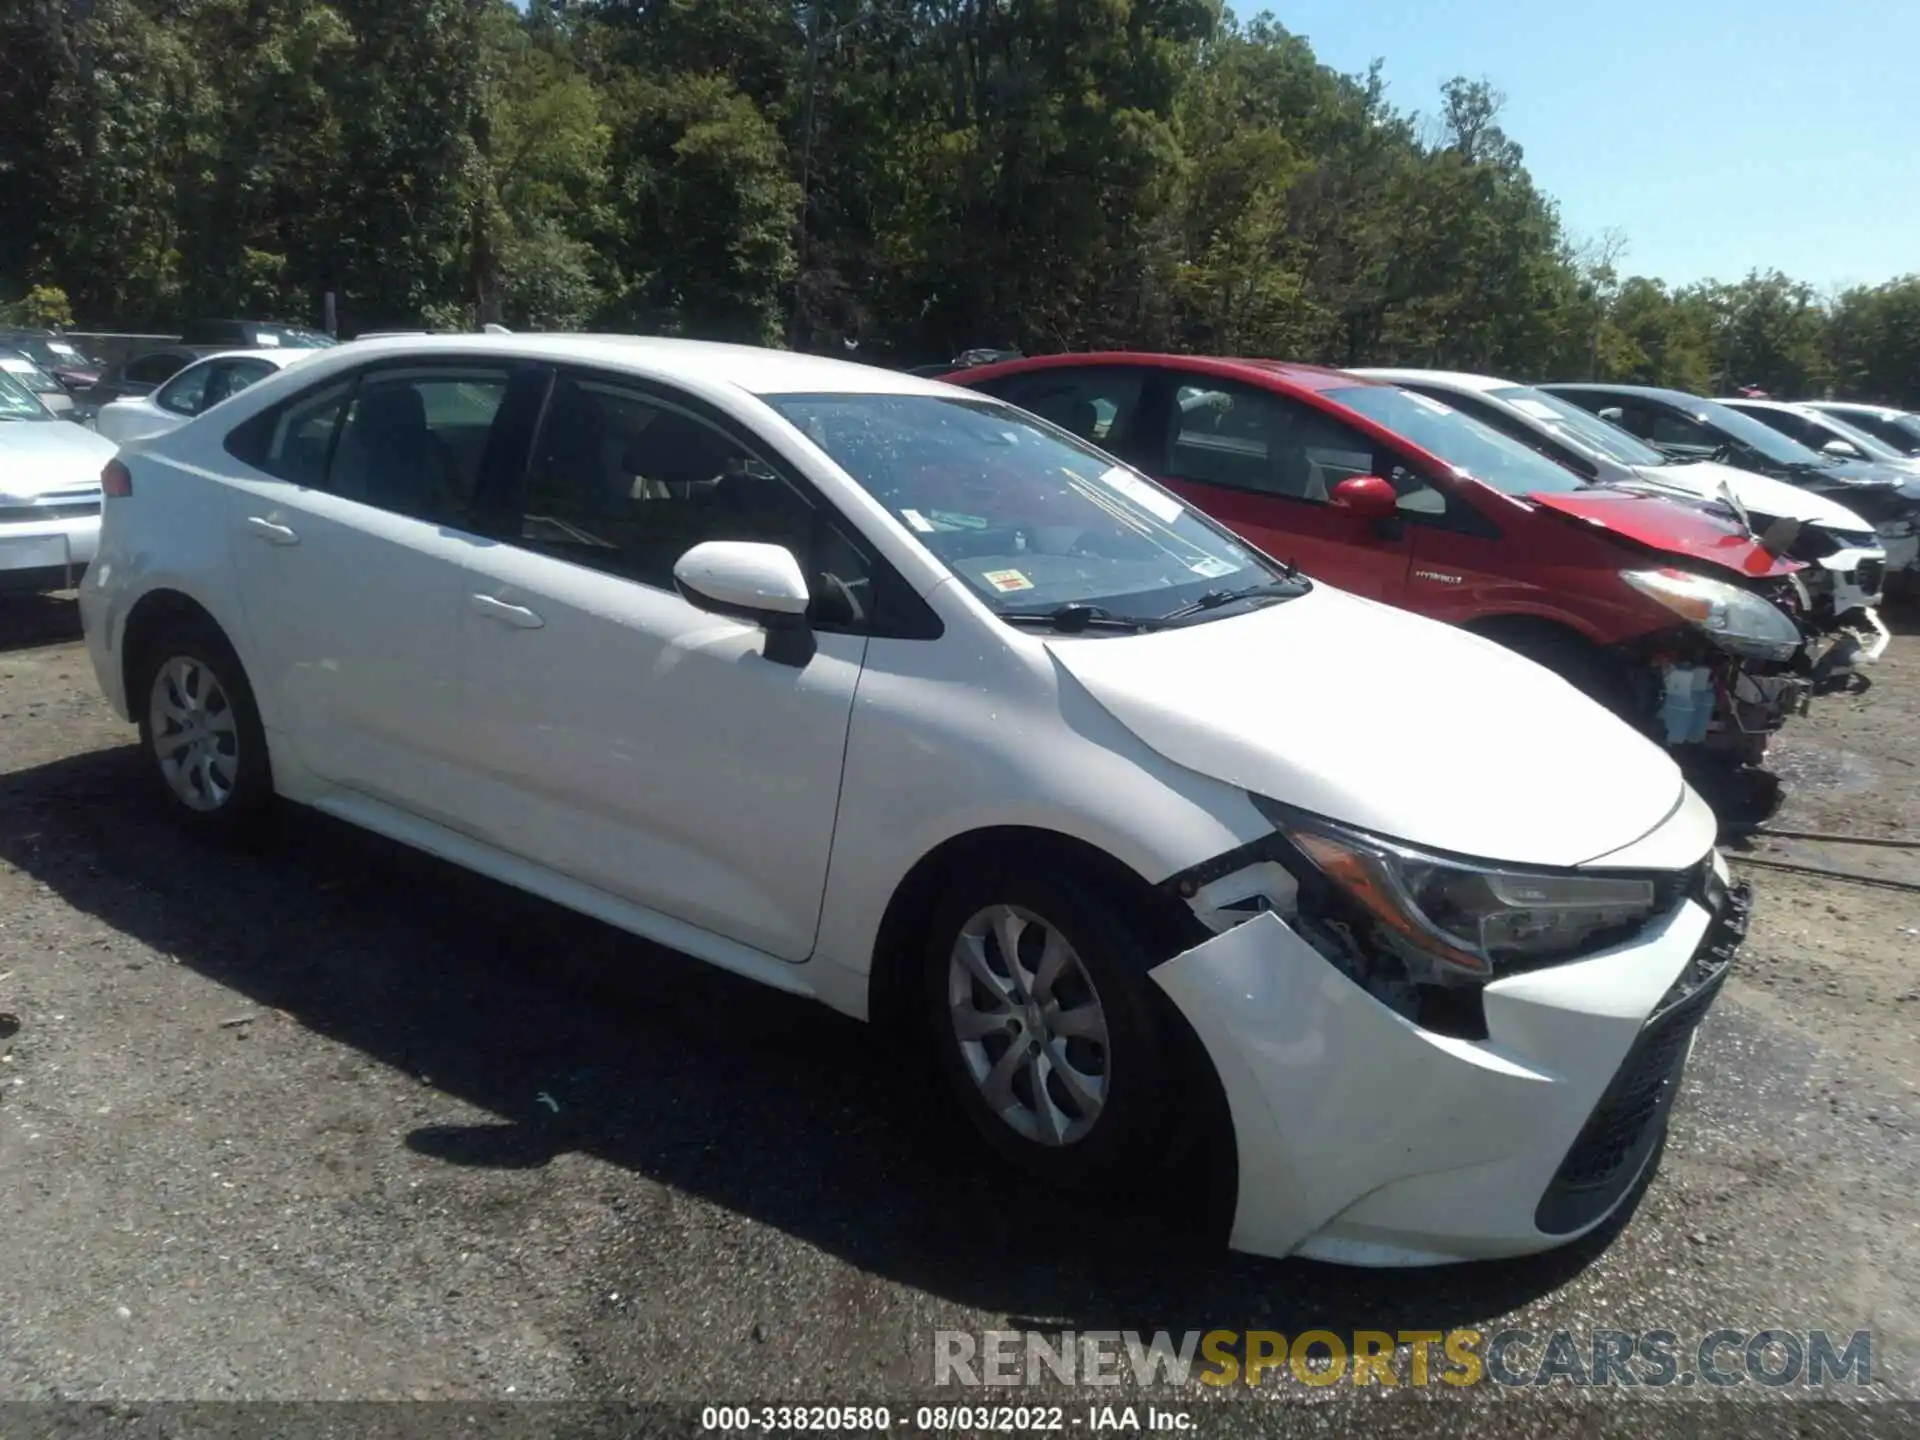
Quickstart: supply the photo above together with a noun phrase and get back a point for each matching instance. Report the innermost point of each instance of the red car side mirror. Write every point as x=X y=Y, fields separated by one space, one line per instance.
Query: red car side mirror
x=1367 y=496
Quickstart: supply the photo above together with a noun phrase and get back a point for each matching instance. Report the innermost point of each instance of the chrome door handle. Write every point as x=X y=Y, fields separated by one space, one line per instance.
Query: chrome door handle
x=273 y=534
x=518 y=616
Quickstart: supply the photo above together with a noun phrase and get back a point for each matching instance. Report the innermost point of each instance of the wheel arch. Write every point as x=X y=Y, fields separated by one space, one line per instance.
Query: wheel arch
x=148 y=617
x=1197 y=1175
x=896 y=947
x=1520 y=625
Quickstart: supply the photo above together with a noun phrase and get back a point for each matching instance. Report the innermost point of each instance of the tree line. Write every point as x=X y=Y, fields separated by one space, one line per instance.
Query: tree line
x=897 y=179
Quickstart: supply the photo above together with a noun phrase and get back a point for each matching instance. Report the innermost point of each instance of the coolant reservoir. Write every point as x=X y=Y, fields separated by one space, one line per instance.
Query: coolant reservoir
x=1686 y=703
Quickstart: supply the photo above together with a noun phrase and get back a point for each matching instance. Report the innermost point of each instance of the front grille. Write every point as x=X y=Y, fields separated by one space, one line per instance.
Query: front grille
x=1631 y=1116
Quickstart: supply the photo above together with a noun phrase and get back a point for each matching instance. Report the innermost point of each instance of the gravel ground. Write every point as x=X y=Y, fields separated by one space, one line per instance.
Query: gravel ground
x=332 y=1121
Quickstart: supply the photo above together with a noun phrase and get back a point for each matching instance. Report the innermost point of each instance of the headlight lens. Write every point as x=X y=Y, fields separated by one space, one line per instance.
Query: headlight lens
x=1738 y=622
x=1477 y=920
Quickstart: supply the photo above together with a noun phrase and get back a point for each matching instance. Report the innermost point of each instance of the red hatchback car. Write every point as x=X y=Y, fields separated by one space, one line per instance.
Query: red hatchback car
x=1671 y=614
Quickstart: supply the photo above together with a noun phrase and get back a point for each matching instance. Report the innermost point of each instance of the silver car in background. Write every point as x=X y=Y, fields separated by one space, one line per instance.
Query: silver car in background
x=49 y=493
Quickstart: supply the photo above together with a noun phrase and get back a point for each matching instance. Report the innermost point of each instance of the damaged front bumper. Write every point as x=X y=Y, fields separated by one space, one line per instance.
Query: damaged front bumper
x=1365 y=1139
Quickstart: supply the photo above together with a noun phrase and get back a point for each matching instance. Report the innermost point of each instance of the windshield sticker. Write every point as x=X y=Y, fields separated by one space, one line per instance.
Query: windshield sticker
x=953 y=518
x=1211 y=568
x=267 y=342
x=917 y=521
x=1006 y=581
x=1427 y=403
x=1538 y=409
x=1163 y=508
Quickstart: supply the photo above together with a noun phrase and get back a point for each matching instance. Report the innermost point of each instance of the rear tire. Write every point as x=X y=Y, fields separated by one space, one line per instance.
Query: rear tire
x=1036 y=997
x=205 y=746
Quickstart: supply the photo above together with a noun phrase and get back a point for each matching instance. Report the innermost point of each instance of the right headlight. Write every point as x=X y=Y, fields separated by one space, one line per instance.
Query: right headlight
x=1473 y=920
x=1736 y=620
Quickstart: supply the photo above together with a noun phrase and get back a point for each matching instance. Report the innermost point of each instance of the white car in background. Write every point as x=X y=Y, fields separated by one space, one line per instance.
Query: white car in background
x=1847 y=558
x=49 y=493
x=194 y=390
x=1823 y=430
x=1887 y=424
x=885 y=693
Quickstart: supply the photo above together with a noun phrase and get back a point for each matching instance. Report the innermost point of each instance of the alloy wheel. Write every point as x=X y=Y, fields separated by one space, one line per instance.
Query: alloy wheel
x=1029 y=1024
x=195 y=733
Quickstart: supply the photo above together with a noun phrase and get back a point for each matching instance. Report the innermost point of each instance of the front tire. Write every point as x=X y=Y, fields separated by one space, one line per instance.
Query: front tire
x=206 y=748
x=1036 y=997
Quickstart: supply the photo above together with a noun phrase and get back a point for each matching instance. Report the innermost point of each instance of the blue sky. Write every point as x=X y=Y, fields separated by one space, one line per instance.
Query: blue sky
x=1719 y=136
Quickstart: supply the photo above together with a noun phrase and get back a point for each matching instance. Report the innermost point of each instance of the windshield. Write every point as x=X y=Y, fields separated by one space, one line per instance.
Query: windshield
x=17 y=402
x=1752 y=433
x=1581 y=428
x=1871 y=446
x=1460 y=440
x=1026 y=516
x=29 y=375
x=47 y=352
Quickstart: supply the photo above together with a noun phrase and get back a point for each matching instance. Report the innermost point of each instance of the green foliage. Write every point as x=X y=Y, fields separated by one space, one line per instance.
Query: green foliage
x=905 y=177
x=44 y=307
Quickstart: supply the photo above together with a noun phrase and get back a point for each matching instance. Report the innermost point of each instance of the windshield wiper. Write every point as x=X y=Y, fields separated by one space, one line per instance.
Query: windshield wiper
x=1073 y=618
x=1285 y=588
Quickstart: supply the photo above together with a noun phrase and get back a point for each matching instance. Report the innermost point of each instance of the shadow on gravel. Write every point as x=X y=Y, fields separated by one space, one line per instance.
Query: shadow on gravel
x=767 y=1105
x=29 y=621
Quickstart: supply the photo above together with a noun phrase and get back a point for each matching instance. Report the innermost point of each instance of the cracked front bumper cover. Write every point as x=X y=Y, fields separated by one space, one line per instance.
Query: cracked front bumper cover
x=1363 y=1139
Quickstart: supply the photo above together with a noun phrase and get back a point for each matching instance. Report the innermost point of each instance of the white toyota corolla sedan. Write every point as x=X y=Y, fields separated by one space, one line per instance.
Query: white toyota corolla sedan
x=197 y=388
x=885 y=693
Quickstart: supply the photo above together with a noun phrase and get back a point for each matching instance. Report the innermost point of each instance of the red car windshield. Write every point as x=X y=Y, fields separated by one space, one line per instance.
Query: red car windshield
x=1024 y=514
x=1460 y=440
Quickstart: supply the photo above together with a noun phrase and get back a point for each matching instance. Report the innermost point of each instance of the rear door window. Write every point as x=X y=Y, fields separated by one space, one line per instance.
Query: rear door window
x=413 y=440
x=294 y=441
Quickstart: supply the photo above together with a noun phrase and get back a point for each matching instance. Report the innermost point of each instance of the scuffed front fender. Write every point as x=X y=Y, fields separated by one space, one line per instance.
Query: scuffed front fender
x=1365 y=1139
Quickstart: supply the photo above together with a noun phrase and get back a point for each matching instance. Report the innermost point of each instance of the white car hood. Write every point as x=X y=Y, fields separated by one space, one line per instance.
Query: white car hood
x=1759 y=494
x=1397 y=724
x=38 y=456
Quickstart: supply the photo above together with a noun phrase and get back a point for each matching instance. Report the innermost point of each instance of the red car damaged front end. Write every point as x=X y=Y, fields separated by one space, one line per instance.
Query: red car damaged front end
x=1738 y=663
x=1676 y=617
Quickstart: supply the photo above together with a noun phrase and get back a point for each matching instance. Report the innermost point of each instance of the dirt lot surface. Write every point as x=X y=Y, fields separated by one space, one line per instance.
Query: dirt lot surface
x=333 y=1121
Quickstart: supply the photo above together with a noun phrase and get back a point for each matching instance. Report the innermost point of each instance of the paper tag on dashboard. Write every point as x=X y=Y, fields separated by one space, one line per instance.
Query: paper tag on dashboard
x=1007 y=580
x=1163 y=508
x=1538 y=409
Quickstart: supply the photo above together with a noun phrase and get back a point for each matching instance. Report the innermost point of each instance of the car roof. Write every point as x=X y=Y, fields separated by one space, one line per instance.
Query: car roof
x=279 y=356
x=1754 y=403
x=1450 y=379
x=1302 y=377
x=1860 y=405
x=750 y=368
x=1648 y=392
